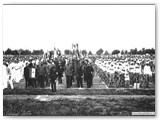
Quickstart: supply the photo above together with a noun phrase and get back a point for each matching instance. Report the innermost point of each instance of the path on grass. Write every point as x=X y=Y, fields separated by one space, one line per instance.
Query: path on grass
x=73 y=97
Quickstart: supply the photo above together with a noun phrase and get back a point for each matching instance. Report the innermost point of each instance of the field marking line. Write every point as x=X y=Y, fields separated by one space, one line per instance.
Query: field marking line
x=105 y=85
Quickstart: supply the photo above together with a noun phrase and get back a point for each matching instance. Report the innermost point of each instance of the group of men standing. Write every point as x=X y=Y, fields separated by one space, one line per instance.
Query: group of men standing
x=79 y=71
x=46 y=73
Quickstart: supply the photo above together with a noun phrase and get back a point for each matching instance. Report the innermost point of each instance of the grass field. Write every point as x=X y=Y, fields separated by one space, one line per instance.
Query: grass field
x=78 y=107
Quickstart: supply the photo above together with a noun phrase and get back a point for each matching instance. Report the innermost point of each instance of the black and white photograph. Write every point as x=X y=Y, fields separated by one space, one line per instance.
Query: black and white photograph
x=79 y=59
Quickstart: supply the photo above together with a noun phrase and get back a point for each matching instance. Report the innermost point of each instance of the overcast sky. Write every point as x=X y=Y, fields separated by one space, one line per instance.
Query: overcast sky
x=91 y=26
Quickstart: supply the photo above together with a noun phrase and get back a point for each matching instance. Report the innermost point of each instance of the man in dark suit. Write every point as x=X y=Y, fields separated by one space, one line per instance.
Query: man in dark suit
x=84 y=70
x=79 y=75
x=89 y=74
x=26 y=75
x=60 y=72
x=53 y=77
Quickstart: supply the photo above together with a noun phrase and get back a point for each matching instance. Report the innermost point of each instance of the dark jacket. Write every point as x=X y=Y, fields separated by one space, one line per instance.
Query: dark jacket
x=53 y=72
x=79 y=71
x=89 y=71
x=26 y=72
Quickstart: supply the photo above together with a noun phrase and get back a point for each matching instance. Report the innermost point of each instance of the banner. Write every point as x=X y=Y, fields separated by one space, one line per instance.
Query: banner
x=32 y=73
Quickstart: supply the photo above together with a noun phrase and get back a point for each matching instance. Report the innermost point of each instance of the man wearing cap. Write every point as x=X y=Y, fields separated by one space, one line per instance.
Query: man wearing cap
x=89 y=74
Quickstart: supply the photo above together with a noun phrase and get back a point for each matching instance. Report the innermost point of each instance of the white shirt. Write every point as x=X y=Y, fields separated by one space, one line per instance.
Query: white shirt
x=132 y=68
x=111 y=69
x=126 y=75
x=147 y=70
x=137 y=69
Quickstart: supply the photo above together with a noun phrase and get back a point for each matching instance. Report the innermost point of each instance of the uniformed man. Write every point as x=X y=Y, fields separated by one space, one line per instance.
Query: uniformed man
x=26 y=75
x=89 y=74
x=9 y=76
x=60 y=71
x=17 y=68
x=127 y=79
x=46 y=73
x=53 y=77
x=84 y=71
x=41 y=74
x=131 y=73
x=147 y=73
x=111 y=72
x=68 y=72
x=5 y=77
x=79 y=75
x=74 y=64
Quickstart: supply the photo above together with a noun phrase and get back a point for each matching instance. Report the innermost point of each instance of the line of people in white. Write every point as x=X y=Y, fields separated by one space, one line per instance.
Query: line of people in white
x=12 y=72
x=135 y=65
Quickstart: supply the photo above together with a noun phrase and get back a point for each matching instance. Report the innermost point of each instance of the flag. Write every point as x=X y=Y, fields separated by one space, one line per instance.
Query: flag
x=77 y=46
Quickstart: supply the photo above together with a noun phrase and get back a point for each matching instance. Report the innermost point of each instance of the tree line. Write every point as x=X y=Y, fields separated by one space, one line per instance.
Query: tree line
x=114 y=52
x=23 y=52
x=83 y=52
x=131 y=52
x=102 y=52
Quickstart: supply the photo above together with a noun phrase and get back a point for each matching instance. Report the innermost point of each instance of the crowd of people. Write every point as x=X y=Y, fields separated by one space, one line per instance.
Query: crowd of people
x=39 y=71
x=127 y=71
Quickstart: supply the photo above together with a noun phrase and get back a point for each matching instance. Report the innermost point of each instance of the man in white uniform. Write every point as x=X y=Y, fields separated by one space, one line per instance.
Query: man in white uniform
x=4 y=76
x=126 y=75
x=111 y=73
x=131 y=73
x=147 y=73
x=7 y=77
